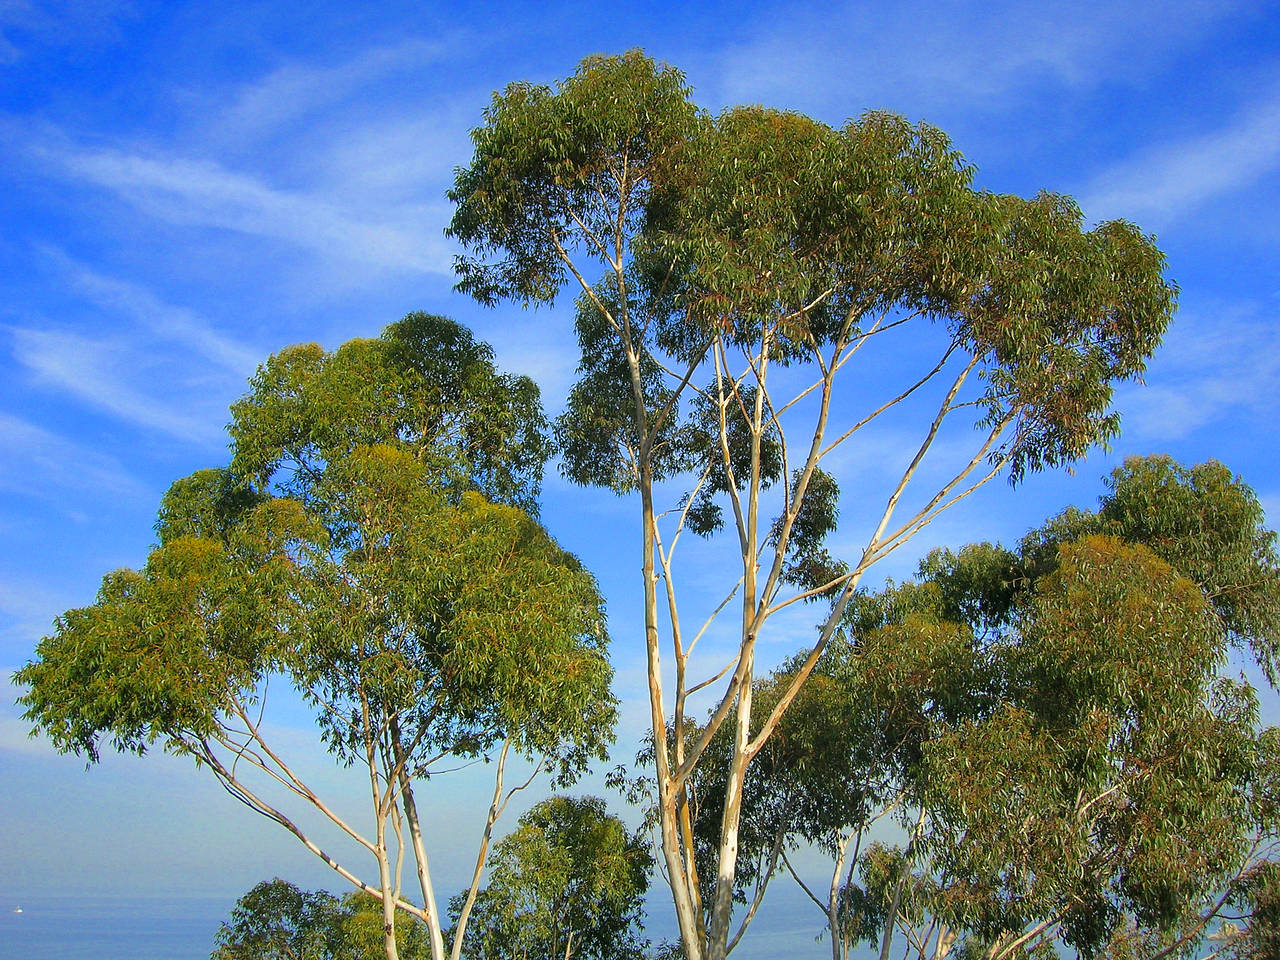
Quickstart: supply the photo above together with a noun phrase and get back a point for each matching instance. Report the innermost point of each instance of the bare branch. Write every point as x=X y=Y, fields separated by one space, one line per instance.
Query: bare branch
x=706 y=683
x=803 y=886
x=495 y=809
x=932 y=433
x=589 y=234
x=890 y=403
x=244 y=794
x=293 y=782
x=762 y=884
x=586 y=287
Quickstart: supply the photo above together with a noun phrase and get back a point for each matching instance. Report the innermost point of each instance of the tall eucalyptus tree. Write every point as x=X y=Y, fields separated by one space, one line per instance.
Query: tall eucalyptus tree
x=734 y=276
x=366 y=547
x=1057 y=729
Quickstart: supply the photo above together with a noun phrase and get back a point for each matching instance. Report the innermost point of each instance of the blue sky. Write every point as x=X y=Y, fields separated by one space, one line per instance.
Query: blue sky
x=187 y=187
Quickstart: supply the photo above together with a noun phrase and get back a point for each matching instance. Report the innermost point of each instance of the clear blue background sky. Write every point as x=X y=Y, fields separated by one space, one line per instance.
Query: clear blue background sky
x=187 y=187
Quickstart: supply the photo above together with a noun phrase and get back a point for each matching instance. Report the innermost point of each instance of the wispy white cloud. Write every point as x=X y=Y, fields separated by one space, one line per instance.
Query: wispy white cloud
x=398 y=153
x=1216 y=366
x=1172 y=179
x=103 y=373
x=977 y=54
x=164 y=320
x=337 y=169
x=297 y=90
x=204 y=193
x=38 y=462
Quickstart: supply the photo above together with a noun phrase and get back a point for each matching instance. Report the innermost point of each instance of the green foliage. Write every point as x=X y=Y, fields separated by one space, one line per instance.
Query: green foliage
x=426 y=385
x=569 y=882
x=1123 y=779
x=1058 y=715
x=344 y=550
x=762 y=222
x=277 y=921
x=1210 y=525
x=163 y=650
x=1137 y=777
x=369 y=547
x=707 y=251
x=542 y=159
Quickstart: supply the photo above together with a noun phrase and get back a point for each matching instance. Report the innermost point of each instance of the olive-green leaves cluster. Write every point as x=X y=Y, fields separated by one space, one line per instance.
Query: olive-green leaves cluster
x=1134 y=771
x=368 y=545
x=163 y=649
x=609 y=136
x=1205 y=522
x=276 y=920
x=766 y=229
x=426 y=385
x=1057 y=717
x=569 y=881
x=1106 y=749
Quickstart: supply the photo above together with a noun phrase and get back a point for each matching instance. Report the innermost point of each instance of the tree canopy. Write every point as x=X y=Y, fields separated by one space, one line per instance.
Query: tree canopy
x=1055 y=730
x=568 y=882
x=368 y=547
x=277 y=921
x=732 y=274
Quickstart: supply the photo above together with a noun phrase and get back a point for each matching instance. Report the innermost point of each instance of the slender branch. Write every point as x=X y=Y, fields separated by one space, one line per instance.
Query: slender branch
x=890 y=403
x=803 y=886
x=889 y=546
x=299 y=787
x=810 y=593
x=246 y=795
x=731 y=481
x=706 y=683
x=1035 y=931
x=1195 y=931
x=714 y=613
x=589 y=234
x=495 y=808
x=914 y=465
x=806 y=668
x=758 y=897
x=660 y=420
x=586 y=287
x=928 y=511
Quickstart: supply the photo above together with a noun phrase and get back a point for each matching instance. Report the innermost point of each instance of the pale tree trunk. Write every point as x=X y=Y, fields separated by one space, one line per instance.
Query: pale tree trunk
x=891 y=918
x=384 y=870
x=678 y=858
x=752 y=620
x=669 y=793
x=946 y=940
x=839 y=944
x=388 y=899
x=381 y=812
x=432 y=917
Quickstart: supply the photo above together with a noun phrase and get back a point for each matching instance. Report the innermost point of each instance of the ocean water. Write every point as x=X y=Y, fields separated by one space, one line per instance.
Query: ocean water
x=183 y=928
x=111 y=928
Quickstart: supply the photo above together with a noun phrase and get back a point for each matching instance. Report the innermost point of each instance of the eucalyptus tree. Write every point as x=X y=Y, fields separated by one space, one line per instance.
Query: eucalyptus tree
x=278 y=921
x=736 y=276
x=569 y=882
x=1056 y=731
x=1258 y=899
x=366 y=547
